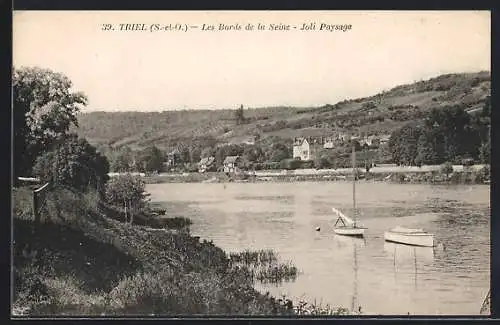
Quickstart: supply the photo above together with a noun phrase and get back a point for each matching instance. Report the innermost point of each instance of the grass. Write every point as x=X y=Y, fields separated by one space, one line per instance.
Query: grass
x=258 y=257
x=263 y=265
x=83 y=263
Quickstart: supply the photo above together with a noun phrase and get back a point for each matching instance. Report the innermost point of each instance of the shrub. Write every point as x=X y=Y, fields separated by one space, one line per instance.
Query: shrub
x=446 y=168
x=290 y=164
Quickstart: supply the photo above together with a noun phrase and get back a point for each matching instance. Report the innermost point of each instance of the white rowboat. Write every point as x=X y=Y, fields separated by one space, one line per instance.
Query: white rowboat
x=409 y=236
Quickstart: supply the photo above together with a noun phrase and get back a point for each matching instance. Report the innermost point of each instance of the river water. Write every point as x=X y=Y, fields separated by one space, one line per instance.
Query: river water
x=379 y=277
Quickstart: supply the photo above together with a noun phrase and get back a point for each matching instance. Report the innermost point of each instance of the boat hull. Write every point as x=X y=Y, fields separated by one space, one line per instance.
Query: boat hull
x=347 y=231
x=424 y=240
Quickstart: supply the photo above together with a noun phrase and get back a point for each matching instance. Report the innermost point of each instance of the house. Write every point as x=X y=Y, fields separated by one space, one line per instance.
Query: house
x=329 y=143
x=206 y=164
x=249 y=140
x=172 y=159
x=370 y=142
x=343 y=137
x=384 y=139
x=231 y=164
x=307 y=148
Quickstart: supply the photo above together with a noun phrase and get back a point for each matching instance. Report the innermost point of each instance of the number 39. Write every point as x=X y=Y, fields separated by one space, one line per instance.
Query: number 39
x=107 y=27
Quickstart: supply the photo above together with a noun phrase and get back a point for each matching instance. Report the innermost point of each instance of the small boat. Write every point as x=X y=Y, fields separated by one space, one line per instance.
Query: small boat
x=409 y=236
x=349 y=227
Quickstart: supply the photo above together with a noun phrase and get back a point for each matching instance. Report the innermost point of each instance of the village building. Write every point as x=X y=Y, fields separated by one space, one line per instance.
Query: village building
x=307 y=148
x=384 y=139
x=232 y=164
x=206 y=164
x=173 y=158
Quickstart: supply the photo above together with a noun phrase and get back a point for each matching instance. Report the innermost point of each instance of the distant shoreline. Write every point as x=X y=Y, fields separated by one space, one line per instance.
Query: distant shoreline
x=412 y=175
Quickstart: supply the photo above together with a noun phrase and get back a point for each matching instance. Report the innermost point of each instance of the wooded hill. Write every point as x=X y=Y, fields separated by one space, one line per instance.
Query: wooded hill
x=379 y=114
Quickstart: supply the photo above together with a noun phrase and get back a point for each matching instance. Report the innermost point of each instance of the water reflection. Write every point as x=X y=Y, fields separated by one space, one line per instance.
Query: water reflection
x=352 y=245
x=405 y=255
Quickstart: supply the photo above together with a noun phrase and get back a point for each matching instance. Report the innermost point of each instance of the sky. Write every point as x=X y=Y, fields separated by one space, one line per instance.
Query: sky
x=203 y=69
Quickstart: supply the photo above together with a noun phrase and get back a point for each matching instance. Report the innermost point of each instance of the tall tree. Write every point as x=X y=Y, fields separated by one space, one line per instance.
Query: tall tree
x=128 y=192
x=75 y=163
x=239 y=115
x=150 y=159
x=44 y=109
x=122 y=160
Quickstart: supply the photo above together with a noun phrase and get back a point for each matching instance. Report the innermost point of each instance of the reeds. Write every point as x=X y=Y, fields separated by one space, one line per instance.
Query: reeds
x=254 y=258
x=263 y=265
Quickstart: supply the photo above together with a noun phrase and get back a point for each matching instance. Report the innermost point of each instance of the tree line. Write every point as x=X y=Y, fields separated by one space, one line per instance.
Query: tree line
x=448 y=134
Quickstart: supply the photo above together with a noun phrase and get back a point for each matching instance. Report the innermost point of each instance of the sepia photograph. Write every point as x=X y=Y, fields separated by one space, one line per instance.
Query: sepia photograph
x=250 y=163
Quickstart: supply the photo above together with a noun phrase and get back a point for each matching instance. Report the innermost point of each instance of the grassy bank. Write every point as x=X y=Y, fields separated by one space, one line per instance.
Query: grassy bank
x=81 y=262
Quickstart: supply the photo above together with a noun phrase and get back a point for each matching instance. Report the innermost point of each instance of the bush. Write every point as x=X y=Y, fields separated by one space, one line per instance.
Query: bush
x=290 y=164
x=446 y=168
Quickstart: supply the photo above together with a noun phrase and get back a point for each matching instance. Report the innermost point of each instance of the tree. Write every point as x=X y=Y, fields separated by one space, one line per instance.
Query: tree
x=446 y=168
x=44 y=109
x=239 y=115
x=122 y=161
x=128 y=192
x=195 y=154
x=150 y=159
x=485 y=152
x=207 y=152
x=73 y=163
x=323 y=159
x=278 y=152
x=253 y=153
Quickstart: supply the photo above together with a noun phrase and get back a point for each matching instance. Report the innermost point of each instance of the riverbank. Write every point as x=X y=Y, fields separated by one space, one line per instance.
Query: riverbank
x=81 y=262
x=479 y=174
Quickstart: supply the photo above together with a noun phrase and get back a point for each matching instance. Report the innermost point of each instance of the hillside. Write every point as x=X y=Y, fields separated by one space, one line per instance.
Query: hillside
x=378 y=114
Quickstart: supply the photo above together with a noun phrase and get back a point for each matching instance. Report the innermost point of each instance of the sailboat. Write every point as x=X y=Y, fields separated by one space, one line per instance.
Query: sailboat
x=345 y=225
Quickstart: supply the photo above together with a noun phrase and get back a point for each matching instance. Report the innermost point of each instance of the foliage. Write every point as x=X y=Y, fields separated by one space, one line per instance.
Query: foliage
x=123 y=160
x=278 y=152
x=127 y=191
x=44 y=109
x=290 y=164
x=447 y=134
x=73 y=163
x=239 y=115
x=254 y=154
x=151 y=159
x=446 y=168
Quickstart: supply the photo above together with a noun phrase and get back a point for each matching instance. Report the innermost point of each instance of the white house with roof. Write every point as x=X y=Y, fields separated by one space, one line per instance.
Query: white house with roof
x=231 y=164
x=306 y=148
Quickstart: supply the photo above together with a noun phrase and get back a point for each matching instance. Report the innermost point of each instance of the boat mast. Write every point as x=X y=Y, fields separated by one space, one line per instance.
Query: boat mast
x=354 y=182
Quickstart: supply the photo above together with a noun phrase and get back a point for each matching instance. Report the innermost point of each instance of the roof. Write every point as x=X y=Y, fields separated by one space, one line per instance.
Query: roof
x=312 y=140
x=207 y=160
x=231 y=159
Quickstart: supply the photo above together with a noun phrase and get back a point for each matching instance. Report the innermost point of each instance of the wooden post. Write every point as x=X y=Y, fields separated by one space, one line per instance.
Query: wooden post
x=36 y=215
x=36 y=204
